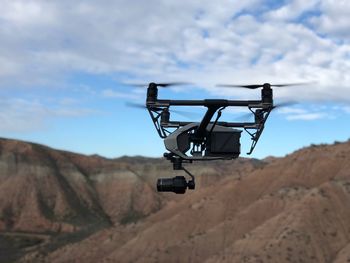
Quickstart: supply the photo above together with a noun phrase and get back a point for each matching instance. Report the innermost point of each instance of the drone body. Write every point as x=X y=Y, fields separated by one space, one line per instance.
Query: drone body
x=219 y=143
x=209 y=139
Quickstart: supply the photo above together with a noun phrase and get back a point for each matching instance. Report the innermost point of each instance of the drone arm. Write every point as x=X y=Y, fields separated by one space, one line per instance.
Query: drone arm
x=256 y=136
x=200 y=132
x=255 y=139
x=208 y=103
x=155 y=116
x=177 y=124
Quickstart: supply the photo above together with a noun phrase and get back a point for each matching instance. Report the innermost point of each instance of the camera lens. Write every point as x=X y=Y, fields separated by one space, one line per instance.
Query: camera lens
x=176 y=184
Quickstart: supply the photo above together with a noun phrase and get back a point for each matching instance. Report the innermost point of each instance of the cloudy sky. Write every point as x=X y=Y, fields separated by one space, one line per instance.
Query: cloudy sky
x=64 y=65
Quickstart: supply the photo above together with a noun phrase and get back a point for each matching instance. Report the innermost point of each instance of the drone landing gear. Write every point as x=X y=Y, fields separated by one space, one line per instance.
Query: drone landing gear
x=177 y=184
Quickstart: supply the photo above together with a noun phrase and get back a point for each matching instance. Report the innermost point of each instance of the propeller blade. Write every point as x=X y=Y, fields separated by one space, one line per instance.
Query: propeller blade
x=138 y=105
x=179 y=112
x=135 y=105
x=172 y=84
x=255 y=86
x=293 y=84
x=245 y=117
x=186 y=114
x=138 y=85
x=163 y=84
x=284 y=104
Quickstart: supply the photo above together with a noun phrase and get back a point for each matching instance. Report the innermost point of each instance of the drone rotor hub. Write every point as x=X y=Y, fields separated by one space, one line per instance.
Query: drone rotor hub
x=152 y=93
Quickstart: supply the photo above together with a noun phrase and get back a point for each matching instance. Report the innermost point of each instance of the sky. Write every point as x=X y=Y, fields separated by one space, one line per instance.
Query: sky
x=64 y=67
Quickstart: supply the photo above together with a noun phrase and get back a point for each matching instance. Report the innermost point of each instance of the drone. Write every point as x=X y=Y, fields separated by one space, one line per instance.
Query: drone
x=209 y=139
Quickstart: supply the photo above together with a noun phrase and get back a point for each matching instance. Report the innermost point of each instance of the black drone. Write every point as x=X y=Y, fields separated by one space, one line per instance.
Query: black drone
x=209 y=139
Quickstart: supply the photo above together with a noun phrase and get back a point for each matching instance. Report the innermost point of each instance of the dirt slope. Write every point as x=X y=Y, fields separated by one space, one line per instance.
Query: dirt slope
x=70 y=196
x=295 y=209
x=291 y=209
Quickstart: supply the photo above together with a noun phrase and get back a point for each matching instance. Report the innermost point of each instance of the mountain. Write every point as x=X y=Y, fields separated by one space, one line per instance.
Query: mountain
x=57 y=206
x=51 y=198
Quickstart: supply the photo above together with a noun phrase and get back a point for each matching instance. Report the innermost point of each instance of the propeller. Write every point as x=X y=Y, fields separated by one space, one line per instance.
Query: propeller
x=246 y=116
x=186 y=114
x=283 y=104
x=136 y=105
x=255 y=86
x=163 y=85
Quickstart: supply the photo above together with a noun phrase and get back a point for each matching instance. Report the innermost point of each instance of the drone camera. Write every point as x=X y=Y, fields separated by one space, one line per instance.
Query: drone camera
x=177 y=184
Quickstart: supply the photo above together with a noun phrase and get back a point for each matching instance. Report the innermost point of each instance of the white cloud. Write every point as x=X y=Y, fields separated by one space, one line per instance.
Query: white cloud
x=306 y=116
x=207 y=42
x=109 y=93
x=334 y=19
x=313 y=112
x=292 y=9
x=25 y=12
x=19 y=115
x=346 y=109
x=289 y=110
x=68 y=101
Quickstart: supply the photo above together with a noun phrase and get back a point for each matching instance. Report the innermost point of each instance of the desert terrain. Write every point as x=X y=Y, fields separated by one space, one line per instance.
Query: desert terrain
x=58 y=206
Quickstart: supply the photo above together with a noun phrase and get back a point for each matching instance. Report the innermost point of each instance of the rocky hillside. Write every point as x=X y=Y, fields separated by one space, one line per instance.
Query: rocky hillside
x=91 y=209
x=67 y=197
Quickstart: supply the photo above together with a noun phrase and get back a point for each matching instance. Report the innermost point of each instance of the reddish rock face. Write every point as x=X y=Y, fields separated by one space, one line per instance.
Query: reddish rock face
x=91 y=209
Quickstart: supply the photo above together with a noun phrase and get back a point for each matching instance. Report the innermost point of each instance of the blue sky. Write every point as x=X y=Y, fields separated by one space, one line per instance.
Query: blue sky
x=63 y=67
